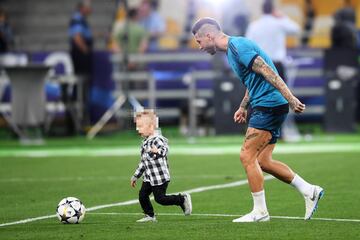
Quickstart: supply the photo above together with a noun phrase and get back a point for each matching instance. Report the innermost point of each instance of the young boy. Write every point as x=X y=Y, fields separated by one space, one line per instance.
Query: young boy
x=155 y=168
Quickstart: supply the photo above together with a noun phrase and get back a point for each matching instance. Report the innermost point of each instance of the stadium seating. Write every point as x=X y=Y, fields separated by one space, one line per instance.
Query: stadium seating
x=171 y=39
x=322 y=7
x=44 y=26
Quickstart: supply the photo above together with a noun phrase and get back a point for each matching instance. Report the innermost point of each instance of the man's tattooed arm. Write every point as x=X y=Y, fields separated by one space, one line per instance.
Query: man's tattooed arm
x=261 y=67
x=241 y=114
x=245 y=102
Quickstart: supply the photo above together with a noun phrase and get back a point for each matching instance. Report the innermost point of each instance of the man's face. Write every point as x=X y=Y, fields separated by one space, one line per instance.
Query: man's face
x=144 y=127
x=206 y=43
x=86 y=10
x=144 y=9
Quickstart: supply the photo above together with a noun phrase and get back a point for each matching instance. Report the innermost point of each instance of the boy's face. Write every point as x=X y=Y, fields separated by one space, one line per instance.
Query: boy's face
x=144 y=126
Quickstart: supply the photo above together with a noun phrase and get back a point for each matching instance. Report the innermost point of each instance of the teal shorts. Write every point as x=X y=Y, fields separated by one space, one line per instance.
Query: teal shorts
x=269 y=119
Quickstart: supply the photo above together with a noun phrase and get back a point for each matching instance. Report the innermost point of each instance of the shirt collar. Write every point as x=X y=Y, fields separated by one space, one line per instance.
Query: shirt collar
x=155 y=134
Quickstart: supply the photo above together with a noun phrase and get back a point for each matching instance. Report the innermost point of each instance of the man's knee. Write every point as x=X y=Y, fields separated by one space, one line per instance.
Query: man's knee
x=265 y=164
x=246 y=159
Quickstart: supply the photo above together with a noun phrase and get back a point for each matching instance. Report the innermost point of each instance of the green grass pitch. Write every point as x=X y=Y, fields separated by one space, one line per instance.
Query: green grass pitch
x=31 y=186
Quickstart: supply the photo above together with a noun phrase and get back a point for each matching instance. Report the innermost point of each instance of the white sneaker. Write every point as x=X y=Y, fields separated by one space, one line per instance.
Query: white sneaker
x=253 y=216
x=187 y=205
x=311 y=202
x=147 y=218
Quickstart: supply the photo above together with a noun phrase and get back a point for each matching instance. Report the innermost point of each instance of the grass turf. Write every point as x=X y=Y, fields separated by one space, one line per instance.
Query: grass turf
x=32 y=187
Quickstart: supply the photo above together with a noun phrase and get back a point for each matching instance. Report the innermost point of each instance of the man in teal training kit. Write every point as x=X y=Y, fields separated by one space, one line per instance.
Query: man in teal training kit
x=269 y=98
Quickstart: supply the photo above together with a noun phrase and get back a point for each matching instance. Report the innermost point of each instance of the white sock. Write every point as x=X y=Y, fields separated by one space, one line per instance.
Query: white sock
x=259 y=201
x=302 y=186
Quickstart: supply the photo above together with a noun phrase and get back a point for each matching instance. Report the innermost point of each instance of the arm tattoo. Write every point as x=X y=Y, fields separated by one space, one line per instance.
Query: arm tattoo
x=259 y=66
x=245 y=102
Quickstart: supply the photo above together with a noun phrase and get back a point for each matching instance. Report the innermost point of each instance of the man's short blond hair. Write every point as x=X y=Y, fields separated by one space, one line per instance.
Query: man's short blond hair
x=210 y=24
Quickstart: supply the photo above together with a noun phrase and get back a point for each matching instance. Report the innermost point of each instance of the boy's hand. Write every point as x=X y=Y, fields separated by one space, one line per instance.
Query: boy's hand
x=154 y=149
x=153 y=152
x=133 y=181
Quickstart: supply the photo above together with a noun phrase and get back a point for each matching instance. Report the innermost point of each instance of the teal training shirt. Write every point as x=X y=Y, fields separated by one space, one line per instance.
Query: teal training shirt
x=241 y=54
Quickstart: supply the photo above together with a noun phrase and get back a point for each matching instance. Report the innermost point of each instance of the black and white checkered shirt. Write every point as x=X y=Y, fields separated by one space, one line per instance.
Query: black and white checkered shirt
x=154 y=166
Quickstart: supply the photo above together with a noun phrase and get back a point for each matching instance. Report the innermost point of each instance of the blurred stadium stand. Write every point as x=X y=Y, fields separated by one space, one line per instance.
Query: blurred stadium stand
x=41 y=29
x=42 y=25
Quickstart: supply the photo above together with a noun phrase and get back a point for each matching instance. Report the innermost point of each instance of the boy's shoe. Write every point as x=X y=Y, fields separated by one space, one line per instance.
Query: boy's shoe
x=311 y=202
x=147 y=218
x=253 y=216
x=187 y=205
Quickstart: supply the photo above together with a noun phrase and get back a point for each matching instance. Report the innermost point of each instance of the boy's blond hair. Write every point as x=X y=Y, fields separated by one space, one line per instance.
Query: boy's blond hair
x=149 y=116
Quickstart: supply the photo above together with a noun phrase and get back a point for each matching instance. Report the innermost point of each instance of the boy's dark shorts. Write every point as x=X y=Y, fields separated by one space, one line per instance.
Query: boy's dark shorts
x=269 y=119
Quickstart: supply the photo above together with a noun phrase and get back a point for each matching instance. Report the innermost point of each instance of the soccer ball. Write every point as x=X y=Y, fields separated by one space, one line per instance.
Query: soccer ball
x=70 y=210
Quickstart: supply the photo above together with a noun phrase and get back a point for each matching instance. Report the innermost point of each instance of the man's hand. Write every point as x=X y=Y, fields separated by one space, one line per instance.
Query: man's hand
x=133 y=181
x=240 y=115
x=296 y=105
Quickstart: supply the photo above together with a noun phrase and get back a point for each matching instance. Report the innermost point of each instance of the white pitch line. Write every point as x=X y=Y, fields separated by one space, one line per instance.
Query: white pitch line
x=108 y=178
x=194 y=190
x=233 y=215
x=27 y=220
x=135 y=201
x=181 y=150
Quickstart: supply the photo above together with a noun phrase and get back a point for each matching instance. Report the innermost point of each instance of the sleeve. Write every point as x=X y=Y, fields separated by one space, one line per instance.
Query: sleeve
x=161 y=145
x=140 y=169
x=244 y=51
x=77 y=28
x=290 y=26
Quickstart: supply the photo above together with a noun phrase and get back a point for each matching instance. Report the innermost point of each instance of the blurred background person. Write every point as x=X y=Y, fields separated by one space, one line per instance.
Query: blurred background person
x=344 y=33
x=270 y=32
x=309 y=22
x=81 y=50
x=6 y=34
x=345 y=36
x=235 y=19
x=152 y=21
x=130 y=37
